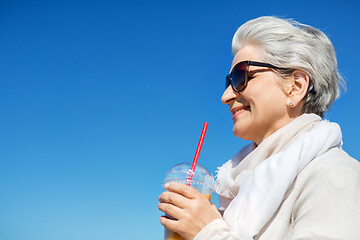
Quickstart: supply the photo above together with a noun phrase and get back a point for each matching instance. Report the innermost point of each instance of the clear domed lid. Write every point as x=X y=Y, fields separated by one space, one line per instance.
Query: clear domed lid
x=180 y=173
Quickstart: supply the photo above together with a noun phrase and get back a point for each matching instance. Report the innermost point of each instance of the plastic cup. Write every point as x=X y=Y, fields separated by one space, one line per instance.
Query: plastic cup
x=202 y=181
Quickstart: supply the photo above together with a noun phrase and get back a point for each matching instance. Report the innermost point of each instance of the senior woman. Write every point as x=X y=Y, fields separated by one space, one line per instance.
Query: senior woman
x=293 y=181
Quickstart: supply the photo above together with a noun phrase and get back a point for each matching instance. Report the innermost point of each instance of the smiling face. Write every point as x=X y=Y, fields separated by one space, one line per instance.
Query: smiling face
x=260 y=109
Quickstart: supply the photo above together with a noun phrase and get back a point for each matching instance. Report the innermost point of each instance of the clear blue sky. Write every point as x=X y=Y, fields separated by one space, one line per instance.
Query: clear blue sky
x=99 y=98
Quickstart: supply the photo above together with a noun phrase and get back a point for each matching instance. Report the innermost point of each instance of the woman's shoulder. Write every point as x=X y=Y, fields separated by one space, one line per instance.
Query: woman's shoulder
x=333 y=158
x=335 y=167
x=325 y=195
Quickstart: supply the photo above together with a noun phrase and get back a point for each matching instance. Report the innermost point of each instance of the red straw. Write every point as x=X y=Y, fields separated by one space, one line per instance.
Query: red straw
x=197 y=153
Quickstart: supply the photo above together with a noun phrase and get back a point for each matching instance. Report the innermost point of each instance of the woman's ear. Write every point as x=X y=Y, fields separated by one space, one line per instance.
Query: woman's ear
x=299 y=82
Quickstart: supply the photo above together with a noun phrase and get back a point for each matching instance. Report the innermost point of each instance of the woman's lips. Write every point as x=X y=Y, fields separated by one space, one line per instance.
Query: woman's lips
x=237 y=111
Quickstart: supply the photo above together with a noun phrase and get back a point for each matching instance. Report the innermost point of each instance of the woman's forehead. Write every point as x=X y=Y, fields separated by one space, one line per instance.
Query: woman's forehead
x=248 y=52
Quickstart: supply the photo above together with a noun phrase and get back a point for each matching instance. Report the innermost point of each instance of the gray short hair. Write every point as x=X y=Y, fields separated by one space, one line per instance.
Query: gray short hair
x=289 y=44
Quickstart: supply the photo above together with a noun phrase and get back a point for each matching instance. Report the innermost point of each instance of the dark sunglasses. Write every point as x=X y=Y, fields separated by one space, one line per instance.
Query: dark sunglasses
x=238 y=77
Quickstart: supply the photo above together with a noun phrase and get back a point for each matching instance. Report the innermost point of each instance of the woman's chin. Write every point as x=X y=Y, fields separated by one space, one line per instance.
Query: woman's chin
x=240 y=133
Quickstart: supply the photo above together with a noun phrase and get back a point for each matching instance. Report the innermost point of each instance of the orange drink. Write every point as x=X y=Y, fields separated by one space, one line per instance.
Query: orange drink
x=202 y=181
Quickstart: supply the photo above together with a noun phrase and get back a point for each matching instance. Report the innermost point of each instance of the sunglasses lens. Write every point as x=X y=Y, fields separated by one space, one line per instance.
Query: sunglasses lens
x=238 y=76
x=227 y=81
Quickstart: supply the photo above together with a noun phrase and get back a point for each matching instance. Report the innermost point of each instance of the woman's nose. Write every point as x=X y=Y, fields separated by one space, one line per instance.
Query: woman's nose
x=228 y=96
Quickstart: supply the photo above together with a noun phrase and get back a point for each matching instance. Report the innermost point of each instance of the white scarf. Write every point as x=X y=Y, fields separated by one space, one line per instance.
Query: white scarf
x=257 y=178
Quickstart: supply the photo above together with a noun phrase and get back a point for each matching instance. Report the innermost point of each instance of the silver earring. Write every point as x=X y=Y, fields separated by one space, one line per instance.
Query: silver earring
x=291 y=104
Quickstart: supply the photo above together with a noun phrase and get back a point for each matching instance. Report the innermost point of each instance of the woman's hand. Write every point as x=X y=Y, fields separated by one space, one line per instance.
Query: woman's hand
x=191 y=209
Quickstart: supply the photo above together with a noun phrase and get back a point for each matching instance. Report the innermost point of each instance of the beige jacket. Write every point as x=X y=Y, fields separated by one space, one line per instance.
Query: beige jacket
x=323 y=203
